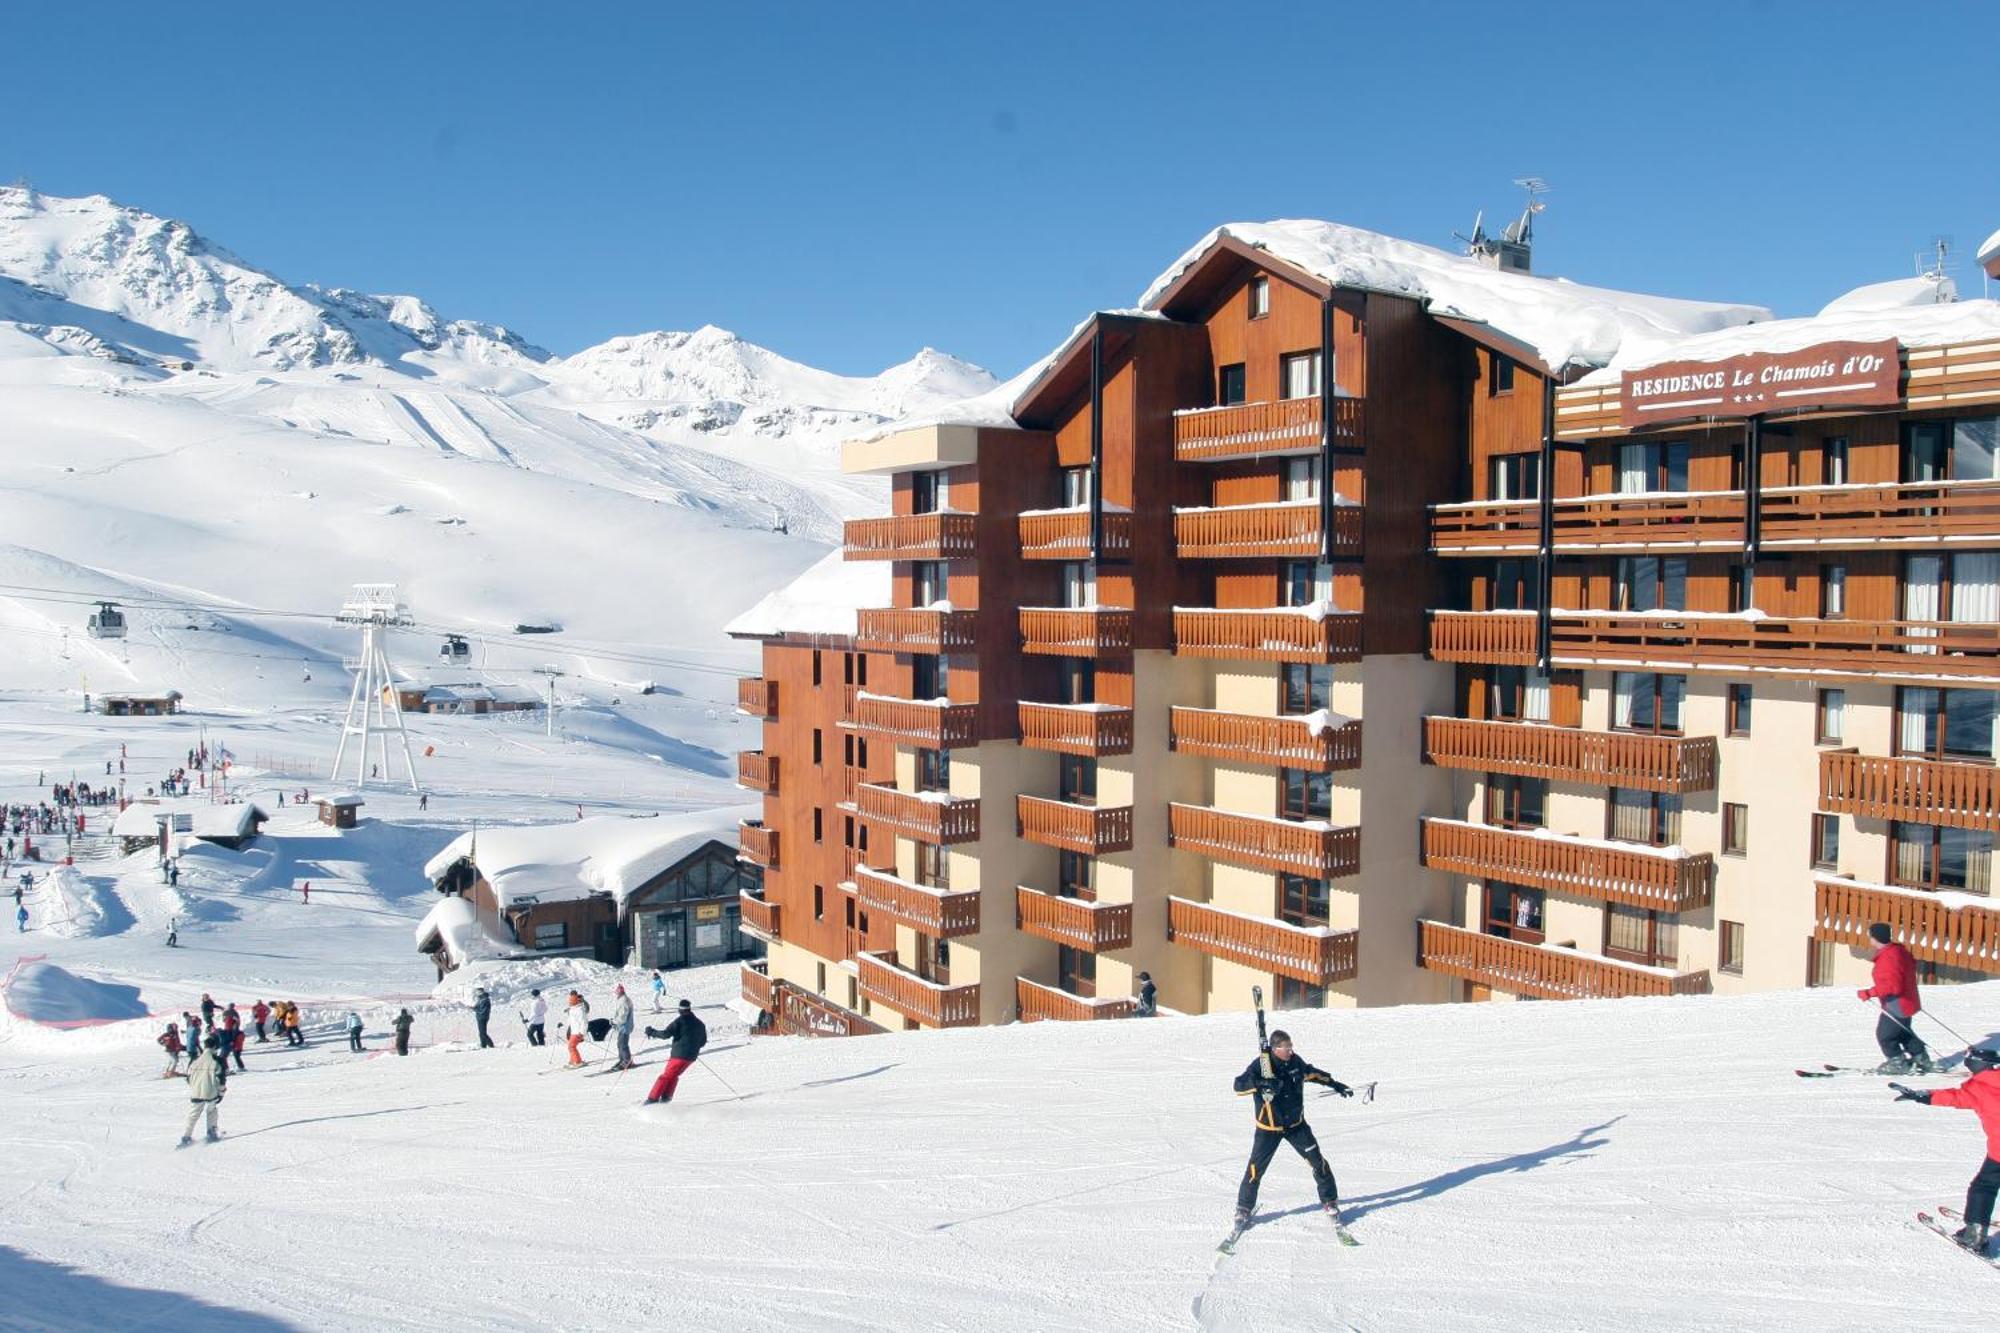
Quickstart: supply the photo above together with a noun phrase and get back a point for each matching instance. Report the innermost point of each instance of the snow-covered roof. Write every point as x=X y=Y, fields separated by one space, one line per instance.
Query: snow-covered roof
x=141 y=819
x=455 y=922
x=203 y=819
x=1911 y=325
x=1989 y=253
x=613 y=854
x=823 y=600
x=341 y=798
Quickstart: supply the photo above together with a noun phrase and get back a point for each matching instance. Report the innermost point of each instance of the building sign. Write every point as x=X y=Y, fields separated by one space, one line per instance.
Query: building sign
x=1835 y=374
x=708 y=912
x=708 y=937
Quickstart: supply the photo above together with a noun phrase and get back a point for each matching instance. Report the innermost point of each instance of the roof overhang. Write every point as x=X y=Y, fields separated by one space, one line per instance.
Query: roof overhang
x=919 y=449
x=1212 y=269
x=1495 y=341
x=1068 y=372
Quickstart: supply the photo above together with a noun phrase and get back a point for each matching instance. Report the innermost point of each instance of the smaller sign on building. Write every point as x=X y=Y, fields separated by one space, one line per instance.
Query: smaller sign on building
x=708 y=937
x=708 y=912
x=1833 y=374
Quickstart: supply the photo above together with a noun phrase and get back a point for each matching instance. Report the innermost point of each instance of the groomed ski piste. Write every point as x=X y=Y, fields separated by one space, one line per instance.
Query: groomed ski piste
x=1639 y=1163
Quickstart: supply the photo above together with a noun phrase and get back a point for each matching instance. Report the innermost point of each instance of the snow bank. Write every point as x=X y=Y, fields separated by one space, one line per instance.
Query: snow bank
x=41 y=992
x=611 y=854
x=826 y=599
x=1896 y=294
x=456 y=923
x=1910 y=325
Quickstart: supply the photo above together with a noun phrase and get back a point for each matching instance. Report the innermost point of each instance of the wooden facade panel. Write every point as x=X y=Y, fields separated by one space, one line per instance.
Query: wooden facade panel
x=1498 y=423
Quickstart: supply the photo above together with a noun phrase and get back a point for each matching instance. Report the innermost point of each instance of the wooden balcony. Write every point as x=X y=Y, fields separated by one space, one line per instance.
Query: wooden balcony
x=1092 y=830
x=1264 y=531
x=1486 y=527
x=1277 y=742
x=1541 y=971
x=1613 y=874
x=921 y=1001
x=756 y=844
x=804 y=1014
x=1928 y=791
x=930 y=723
x=1503 y=637
x=1934 y=927
x=1086 y=729
x=1093 y=632
x=756 y=982
x=1566 y=754
x=757 y=697
x=1283 y=846
x=910 y=537
x=938 y=912
x=1908 y=514
x=1268 y=636
x=927 y=817
x=1035 y=1003
x=1861 y=648
x=1093 y=927
x=1065 y=535
x=1245 y=430
x=1316 y=955
x=757 y=771
x=759 y=918
x=907 y=630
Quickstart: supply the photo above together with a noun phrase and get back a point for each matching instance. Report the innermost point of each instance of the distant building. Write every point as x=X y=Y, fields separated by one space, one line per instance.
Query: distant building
x=462 y=698
x=139 y=704
x=339 y=811
x=230 y=824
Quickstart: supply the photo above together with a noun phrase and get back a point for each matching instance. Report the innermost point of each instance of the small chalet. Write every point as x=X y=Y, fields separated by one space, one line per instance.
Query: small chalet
x=462 y=699
x=656 y=891
x=139 y=704
x=341 y=811
x=230 y=824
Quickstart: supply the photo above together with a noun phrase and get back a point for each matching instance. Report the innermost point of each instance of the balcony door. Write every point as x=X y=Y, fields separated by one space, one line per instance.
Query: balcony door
x=1076 y=971
x=929 y=492
x=1304 y=901
x=1514 y=913
x=1514 y=477
x=1300 y=478
x=1076 y=875
x=1637 y=935
x=1303 y=688
x=1298 y=375
x=1077 y=488
x=1643 y=701
x=929 y=582
x=1079 y=585
x=930 y=677
x=1947 y=724
x=1076 y=779
x=1652 y=466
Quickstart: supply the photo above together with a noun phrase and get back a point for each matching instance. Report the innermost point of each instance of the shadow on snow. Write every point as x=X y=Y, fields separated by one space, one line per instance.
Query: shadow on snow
x=47 y=1295
x=1576 y=1145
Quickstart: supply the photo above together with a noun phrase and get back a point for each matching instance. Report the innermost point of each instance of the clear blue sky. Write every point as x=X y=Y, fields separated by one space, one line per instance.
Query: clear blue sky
x=848 y=182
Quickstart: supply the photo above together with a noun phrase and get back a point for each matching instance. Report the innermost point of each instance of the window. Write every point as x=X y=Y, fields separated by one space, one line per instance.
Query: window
x=1076 y=971
x=1517 y=694
x=847 y=668
x=1946 y=724
x=1304 y=794
x=551 y=935
x=1260 y=296
x=1826 y=842
x=1650 y=583
x=1735 y=829
x=933 y=770
x=1820 y=956
x=1076 y=779
x=1301 y=583
x=1742 y=586
x=1516 y=585
x=1079 y=681
x=1642 y=701
x=1652 y=466
x=861 y=752
x=929 y=582
x=819 y=744
x=1230 y=385
x=1298 y=375
x=1729 y=951
x=1739 y=710
x=1294 y=994
x=1076 y=875
x=1651 y=817
x=1077 y=487
x=927 y=492
x=1831 y=725
x=1833 y=462
x=820 y=982
x=1516 y=802
x=1514 y=913
x=1833 y=592
x=816 y=666
x=1964 y=450
x=1300 y=479
x=933 y=867
x=1963 y=587
x=1304 y=688
x=819 y=911
x=1079 y=585
x=1638 y=935
x=1514 y=477
x=847 y=749
x=930 y=677
x=1926 y=856
x=819 y=824
x=1303 y=901
x=1503 y=375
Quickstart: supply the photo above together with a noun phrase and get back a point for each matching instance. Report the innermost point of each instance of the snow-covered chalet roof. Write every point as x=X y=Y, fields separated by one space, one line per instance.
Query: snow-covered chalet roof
x=456 y=924
x=613 y=854
x=1989 y=253
x=202 y=819
x=824 y=600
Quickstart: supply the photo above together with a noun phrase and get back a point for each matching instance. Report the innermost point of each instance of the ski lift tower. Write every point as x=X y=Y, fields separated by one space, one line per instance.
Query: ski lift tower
x=374 y=709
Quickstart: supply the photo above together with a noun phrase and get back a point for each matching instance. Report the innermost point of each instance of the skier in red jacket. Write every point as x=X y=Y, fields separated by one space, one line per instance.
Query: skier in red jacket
x=1979 y=1094
x=1896 y=988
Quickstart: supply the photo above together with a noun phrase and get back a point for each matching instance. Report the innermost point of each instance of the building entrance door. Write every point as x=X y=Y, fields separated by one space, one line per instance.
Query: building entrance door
x=669 y=939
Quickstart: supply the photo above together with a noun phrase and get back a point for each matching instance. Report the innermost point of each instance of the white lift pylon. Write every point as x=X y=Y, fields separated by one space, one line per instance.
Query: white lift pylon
x=374 y=709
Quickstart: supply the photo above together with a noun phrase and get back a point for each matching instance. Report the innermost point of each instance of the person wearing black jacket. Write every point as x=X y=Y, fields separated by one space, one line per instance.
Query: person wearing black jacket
x=482 y=1009
x=688 y=1035
x=1281 y=1118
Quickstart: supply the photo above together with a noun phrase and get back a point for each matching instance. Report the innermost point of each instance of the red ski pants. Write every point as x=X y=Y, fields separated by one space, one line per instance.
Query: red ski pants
x=669 y=1079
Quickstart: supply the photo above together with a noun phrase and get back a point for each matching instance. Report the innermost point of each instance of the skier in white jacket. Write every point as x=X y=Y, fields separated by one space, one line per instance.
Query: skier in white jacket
x=537 y=1019
x=621 y=1021
x=576 y=1026
x=207 y=1079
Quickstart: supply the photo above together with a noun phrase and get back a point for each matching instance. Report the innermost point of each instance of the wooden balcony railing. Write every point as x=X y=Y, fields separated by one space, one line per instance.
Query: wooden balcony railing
x=1092 y=830
x=1243 y=430
x=804 y=1014
x=757 y=696
x=1090 y=926
x=1315 y=955
x=1321 y=851
x=1095 y=632
x=1485 y=527
x=921 y=630
x=1908 y=514
x=756 y=983
x=1065 y=535
x=1633 y=877
x=1541 y=971
x=1504 y=637
x=759 y=918
x=757 y=844
x=940 y=912
x=1269 y=636
x=1565 y=754
x=1820 y=647
x=1264 y=531
x=1928 y=791
x=910 y=537
x=757 y=771
x=925 y=1002
x=1280 y=742
x=930 y=723
x=1035 y=1003
x=1087 y=729
x=1935 y=930
x=925 y=816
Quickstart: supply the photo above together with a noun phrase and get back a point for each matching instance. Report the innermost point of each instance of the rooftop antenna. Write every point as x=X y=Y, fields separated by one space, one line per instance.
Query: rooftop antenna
x=1522 y=231
x=1937 y=271
x=554 y=673
x=374 y=708
x=1511 y=251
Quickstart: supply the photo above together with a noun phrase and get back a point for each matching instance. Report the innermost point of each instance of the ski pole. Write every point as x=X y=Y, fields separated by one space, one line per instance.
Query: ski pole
x=718 y=1078
x=1941 y=1023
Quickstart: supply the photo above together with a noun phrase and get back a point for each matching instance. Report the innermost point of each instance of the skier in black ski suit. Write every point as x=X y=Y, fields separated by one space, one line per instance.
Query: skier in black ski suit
x=1281 y=1118
x=482 y=1009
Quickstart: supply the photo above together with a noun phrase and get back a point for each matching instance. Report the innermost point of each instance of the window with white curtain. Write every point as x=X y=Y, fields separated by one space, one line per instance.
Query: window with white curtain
x=1650 y=817
x=1975 y=586
x=1518 y=694
x=1926 y=856
x=1079 y=584
x=1301 y=479
x=1923 y=579
x=1651 y=583
x=1298 y=375
x=1653 y=466
x=1643 y=701
x=1939 y=723
x=1535 y=698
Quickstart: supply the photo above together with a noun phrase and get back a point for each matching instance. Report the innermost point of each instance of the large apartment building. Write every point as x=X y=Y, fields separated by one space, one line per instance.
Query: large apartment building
x=1092 y=699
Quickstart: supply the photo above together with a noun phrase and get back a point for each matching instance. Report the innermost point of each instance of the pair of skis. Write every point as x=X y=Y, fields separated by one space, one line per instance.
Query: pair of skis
x=1943 y=1225
x=1841 y=1071
x=1340 y=1231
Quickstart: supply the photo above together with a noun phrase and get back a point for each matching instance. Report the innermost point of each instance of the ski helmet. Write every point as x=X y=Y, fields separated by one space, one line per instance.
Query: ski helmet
x=1981 y=1058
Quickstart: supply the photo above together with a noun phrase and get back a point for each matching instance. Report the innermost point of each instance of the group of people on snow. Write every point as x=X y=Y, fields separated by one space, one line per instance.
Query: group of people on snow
x=222 y=1026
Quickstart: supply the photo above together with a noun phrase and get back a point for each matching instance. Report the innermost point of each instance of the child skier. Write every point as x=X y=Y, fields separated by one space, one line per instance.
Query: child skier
x=576 y=1026
x=170 y=1042
x=353 y=1031
x=1894 y=985
x=1979 y=1094
x=1281 y=1118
